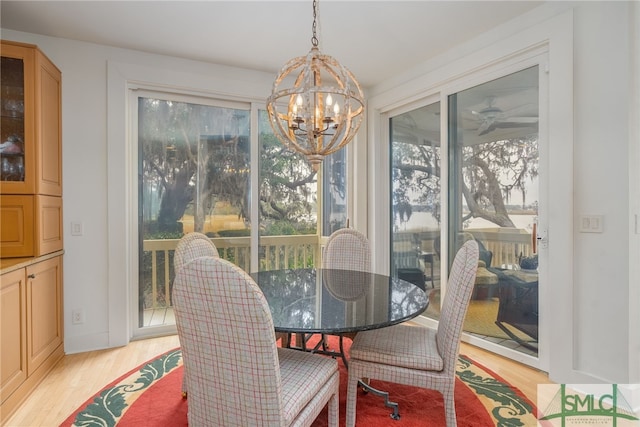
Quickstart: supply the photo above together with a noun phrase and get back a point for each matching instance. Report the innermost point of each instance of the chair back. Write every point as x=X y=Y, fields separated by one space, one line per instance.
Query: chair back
x=191 y=246
x=227 y=333
x=456 y=303
x=347 y=249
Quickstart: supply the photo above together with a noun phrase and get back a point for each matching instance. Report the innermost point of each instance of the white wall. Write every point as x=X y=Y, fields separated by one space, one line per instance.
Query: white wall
x=590 y=300
x=90 y=265
x=599 y=289
x=601 y=132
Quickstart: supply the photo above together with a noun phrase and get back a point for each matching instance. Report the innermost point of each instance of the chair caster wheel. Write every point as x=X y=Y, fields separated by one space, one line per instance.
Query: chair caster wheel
x=394 y=416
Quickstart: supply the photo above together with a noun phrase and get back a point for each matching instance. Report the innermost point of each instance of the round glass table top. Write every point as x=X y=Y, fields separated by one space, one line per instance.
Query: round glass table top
x=338 y=301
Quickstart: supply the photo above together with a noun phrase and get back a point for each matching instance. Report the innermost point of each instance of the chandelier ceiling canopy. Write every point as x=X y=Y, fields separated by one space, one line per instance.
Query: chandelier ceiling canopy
x=322 y=108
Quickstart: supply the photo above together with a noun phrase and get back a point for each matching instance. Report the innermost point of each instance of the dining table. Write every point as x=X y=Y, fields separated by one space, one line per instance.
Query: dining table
x=306 y=301
x=338 y=302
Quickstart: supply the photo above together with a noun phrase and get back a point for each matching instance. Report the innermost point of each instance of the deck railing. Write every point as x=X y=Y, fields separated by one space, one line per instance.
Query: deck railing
x=278 y=252
x=275 y=252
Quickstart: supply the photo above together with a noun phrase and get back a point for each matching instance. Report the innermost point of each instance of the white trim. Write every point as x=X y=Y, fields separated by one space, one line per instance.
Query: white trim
x=224 y=83
x=634 y=196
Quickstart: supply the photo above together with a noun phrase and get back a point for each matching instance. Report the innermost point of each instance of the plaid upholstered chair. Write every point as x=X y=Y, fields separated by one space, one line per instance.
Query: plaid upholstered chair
x=235 y=382
x=191 y=246
x=414 y=355
x=347 y=249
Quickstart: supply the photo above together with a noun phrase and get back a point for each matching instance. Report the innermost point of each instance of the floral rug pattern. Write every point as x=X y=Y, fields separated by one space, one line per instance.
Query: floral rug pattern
x=506 y=405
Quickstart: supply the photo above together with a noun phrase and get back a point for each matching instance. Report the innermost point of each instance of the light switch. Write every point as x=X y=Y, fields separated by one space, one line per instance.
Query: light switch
x=591 y=223
x=77 y=228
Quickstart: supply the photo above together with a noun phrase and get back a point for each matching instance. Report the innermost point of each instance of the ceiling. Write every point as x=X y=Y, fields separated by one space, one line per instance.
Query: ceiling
x=376 y=40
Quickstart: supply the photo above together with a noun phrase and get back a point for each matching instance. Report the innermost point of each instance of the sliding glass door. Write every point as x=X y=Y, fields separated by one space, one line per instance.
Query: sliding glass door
x=415 y=195
x=194 y=166
x=493 y=198
x=215 y=167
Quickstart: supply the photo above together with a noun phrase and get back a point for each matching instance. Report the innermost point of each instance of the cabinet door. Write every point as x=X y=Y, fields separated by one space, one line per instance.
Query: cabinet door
x=17 y=112
x=44 y=311
x=49 y=223
x=13 y=342
x=49 y=127
x=17 y=226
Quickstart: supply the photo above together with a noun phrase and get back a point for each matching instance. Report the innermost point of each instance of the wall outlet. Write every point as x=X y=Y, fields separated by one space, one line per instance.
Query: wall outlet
x=77 y=316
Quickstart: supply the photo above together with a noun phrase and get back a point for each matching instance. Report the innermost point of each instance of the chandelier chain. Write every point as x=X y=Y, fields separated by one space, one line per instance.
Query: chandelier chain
x=314 y=38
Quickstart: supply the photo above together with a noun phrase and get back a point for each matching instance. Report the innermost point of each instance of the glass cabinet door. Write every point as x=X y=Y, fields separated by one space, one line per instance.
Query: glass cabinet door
x=12 y=147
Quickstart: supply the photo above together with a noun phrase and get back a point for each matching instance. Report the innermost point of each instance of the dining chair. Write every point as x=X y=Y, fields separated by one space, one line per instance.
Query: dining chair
x=191 y=246
x=233 y=382
x=346 y=249
x=415 y=355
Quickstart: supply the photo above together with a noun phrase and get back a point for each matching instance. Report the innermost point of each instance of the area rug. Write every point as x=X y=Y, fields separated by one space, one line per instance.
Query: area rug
x=151 y=396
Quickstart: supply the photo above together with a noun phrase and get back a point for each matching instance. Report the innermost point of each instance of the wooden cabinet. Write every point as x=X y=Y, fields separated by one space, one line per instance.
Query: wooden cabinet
x=30 y=152
x=31 y=316
x=31 y=321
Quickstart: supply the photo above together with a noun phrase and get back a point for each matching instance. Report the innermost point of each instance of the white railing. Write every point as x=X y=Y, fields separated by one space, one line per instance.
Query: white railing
x=275 y=252
x=279 y=252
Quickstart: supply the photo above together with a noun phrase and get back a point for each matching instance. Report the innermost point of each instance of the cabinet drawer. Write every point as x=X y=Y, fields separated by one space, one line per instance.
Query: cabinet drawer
x=31 y=225
x=17 y=226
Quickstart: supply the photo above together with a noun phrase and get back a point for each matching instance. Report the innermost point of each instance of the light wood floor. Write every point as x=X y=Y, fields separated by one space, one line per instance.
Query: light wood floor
x=78 y=376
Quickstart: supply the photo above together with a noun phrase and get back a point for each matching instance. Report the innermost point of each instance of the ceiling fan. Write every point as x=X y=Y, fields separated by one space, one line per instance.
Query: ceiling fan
x=492 y=117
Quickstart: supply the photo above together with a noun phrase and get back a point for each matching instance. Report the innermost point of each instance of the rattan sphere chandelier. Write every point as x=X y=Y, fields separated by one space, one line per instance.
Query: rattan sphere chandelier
x=323 y=109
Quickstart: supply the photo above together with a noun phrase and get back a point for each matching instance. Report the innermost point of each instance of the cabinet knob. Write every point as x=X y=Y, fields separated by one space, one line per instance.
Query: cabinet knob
x=31 y=276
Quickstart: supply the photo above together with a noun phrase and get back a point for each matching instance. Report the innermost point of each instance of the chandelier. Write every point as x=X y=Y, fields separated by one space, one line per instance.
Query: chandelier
x=323 y=109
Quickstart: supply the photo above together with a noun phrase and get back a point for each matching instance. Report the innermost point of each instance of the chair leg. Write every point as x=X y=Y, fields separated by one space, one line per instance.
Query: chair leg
x=450 y=409
x=352 y=397
x=334 y=411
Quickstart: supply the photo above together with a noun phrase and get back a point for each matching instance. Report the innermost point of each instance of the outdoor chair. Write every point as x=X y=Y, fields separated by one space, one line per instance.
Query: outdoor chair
x=518 y=307
x=408 y=261
x=415 y=355
x=237 y=374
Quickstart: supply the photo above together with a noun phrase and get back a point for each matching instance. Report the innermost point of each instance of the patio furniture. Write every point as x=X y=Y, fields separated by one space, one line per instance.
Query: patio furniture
x=237 y=374
x=408 y=260
x=486 y=281
x=414 y=355
x=518 y=307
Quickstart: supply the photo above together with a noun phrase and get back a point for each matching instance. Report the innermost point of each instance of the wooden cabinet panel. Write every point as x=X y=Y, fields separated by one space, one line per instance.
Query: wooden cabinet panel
x=44 y=311
x=13 y=350
x=17 y=227
x=48 y=124
x=49 y=221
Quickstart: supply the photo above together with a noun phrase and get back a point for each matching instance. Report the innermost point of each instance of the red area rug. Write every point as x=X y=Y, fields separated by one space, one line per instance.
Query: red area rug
x=150 y=396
